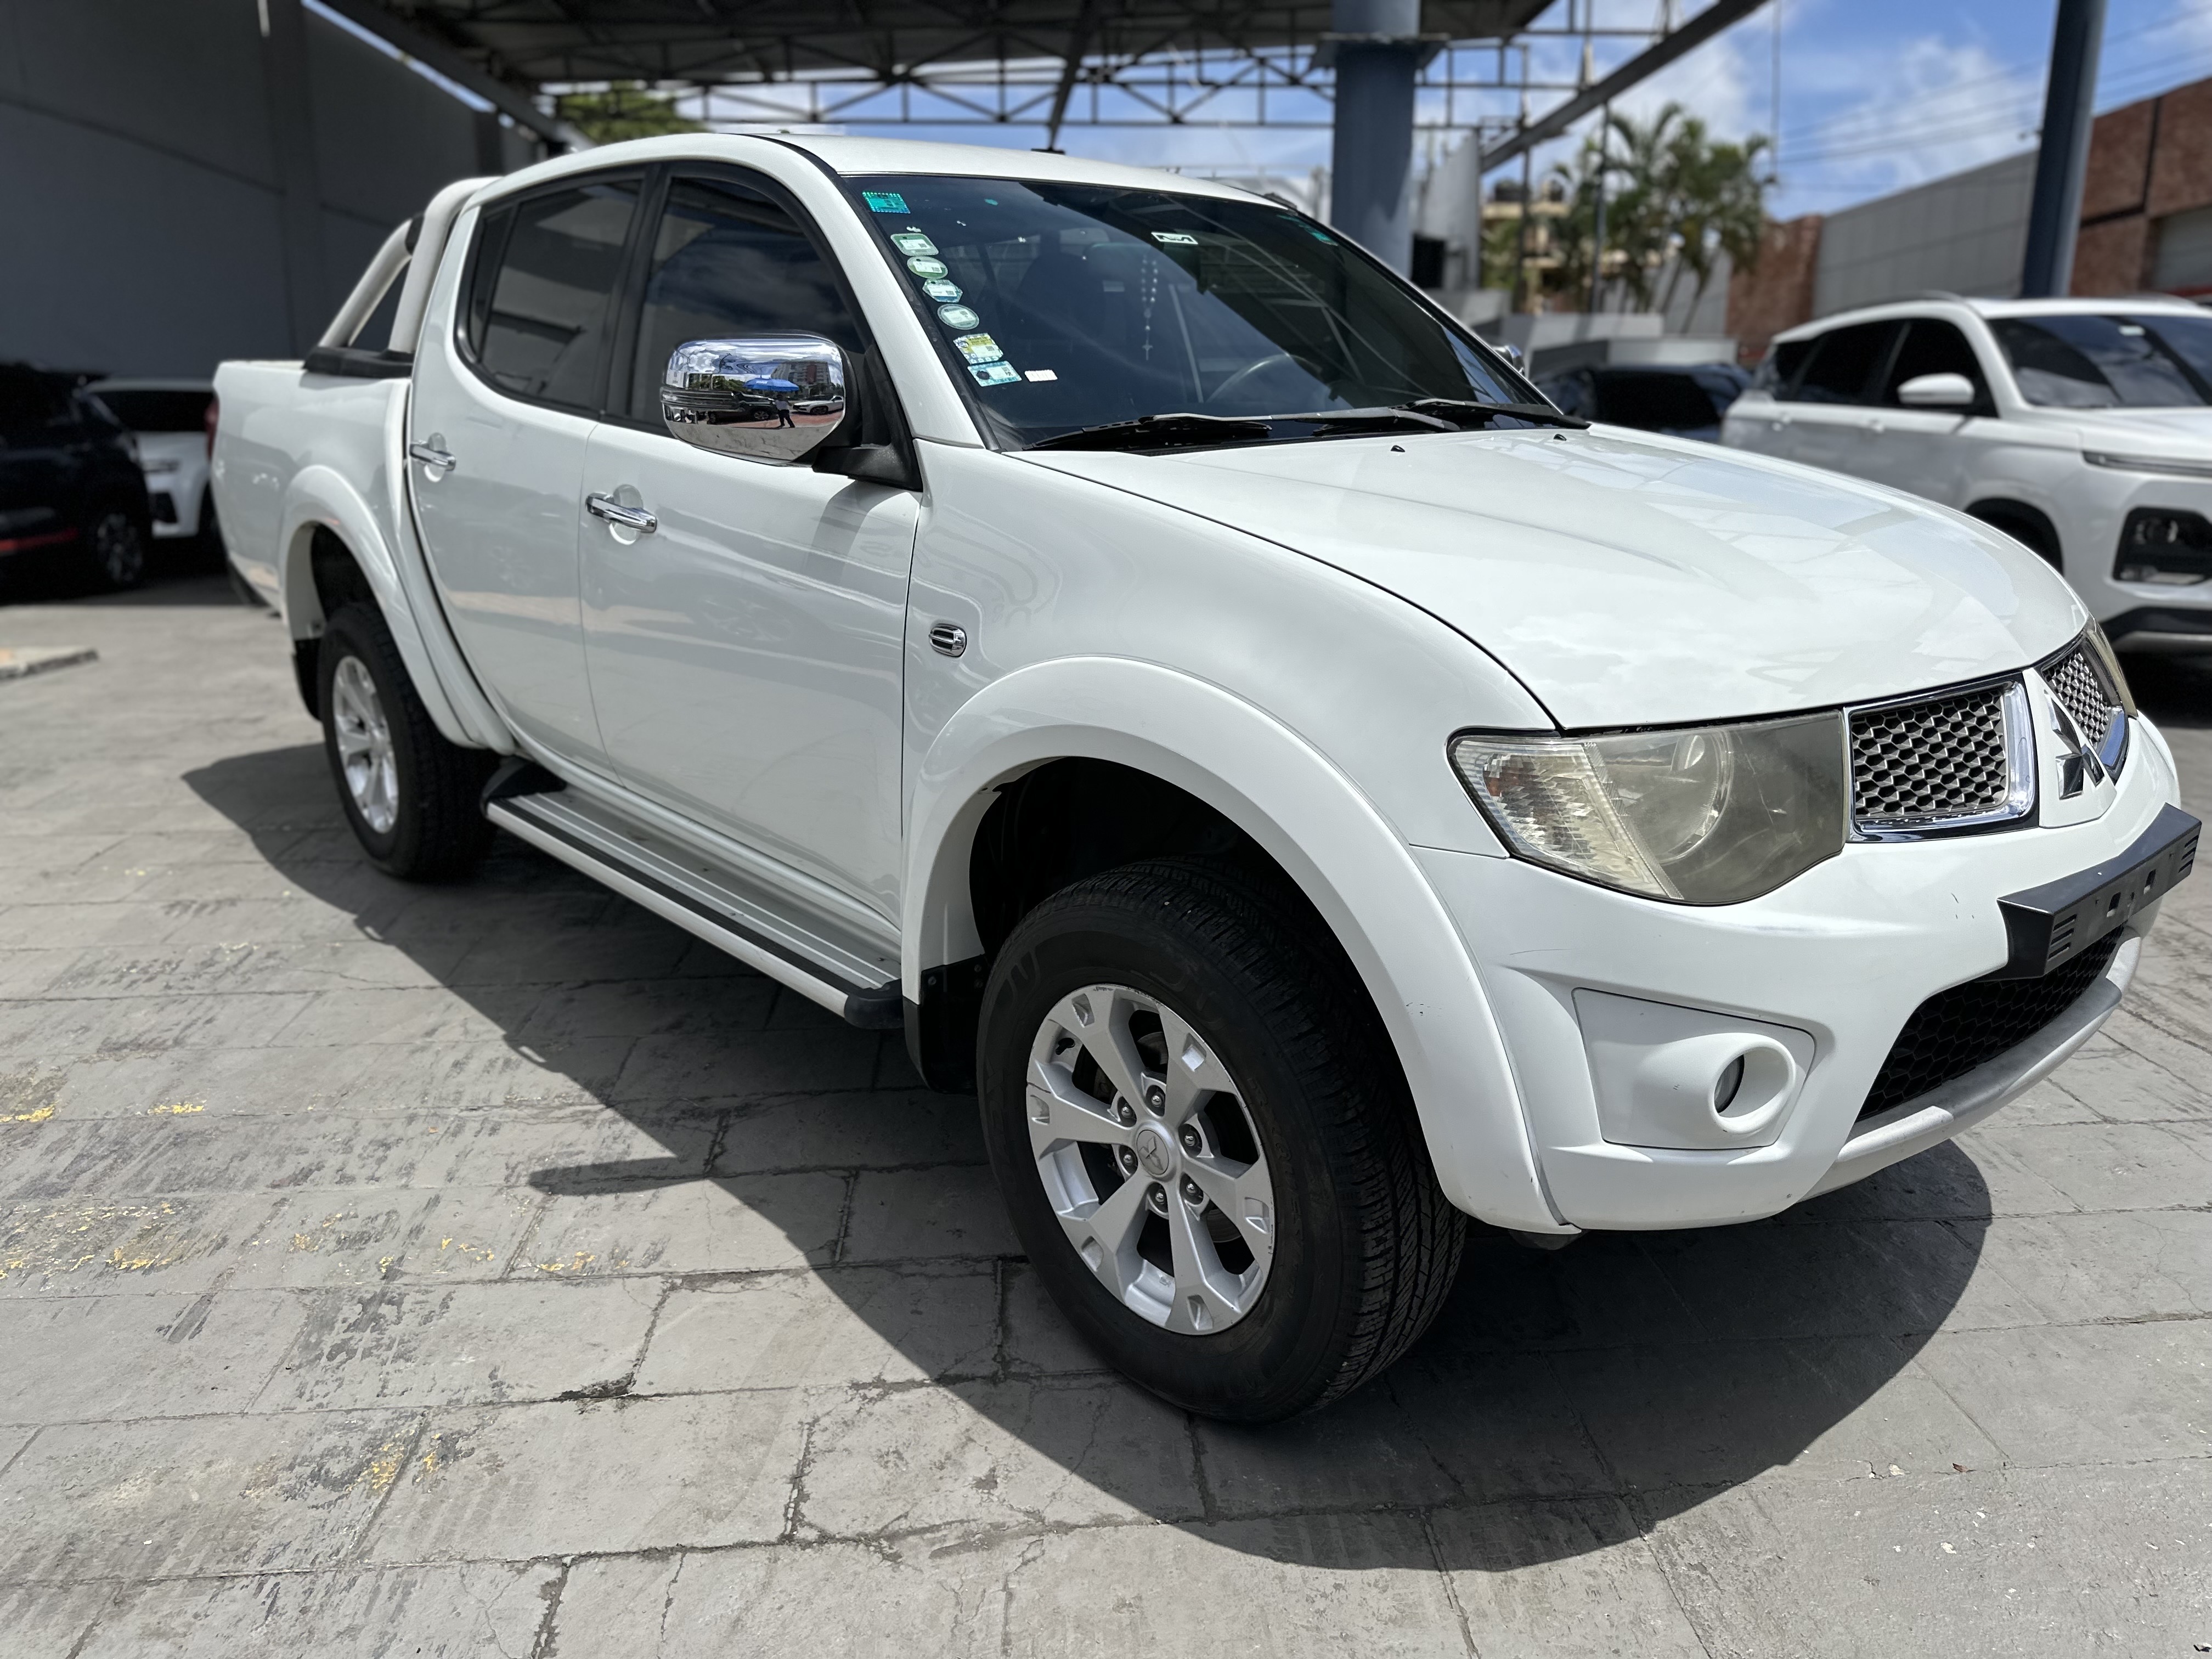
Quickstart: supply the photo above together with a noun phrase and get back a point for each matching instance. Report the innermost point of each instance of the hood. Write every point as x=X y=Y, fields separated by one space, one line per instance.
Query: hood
x=1633 y=581
x=2183 y=433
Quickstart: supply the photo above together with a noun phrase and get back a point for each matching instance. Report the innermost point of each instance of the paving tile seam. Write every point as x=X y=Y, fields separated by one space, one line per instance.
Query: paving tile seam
x=970 y=1534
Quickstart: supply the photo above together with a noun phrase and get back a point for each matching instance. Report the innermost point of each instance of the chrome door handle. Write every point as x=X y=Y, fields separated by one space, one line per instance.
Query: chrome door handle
x=431 y=455
x=629 y=517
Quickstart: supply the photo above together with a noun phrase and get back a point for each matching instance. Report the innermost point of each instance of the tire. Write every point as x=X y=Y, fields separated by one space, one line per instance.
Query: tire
x=1354 y=1243
x=413 y=799
x=115 y=545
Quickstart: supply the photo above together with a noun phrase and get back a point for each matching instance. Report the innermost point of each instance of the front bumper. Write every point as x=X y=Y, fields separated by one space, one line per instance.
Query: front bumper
x=2093 y=515
x=1841 y=957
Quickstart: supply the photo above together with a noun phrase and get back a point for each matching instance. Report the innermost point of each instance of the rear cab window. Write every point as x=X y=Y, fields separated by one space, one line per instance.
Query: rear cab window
x=541 y=296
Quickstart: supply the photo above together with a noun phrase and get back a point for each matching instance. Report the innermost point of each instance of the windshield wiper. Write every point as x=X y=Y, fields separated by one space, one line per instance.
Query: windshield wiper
x=1405 y=418
x=1468 y=414
x=1160 y=432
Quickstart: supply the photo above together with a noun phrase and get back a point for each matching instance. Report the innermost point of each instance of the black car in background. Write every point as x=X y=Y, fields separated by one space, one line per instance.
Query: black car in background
x=72 y=498
x=1685 y=402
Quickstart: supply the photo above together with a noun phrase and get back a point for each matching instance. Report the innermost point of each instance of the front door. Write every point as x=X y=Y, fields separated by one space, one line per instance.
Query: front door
x=1929 y=452
x=745 y=655
x=502 y=407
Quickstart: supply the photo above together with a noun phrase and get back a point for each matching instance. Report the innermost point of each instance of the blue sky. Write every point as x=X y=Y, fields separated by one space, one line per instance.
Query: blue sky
x=1875 y=94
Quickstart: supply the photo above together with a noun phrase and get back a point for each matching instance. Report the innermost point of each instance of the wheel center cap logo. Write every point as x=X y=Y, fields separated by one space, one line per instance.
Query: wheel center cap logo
x=1153 y=1152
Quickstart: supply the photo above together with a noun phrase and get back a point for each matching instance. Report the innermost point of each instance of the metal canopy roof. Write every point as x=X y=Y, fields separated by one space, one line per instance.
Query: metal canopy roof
x=527 y=43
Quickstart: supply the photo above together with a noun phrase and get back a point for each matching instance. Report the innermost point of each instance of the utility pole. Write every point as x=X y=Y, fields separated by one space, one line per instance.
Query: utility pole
x=1597 y=232
x=2068 y=105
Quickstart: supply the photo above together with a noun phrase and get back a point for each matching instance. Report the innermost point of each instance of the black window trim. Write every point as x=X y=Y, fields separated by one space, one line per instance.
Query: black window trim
x=879 y=397
x=466 y=308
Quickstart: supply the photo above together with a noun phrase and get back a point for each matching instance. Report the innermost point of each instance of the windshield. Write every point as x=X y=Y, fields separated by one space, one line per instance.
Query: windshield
x=2074 y=360
x=1070 y=306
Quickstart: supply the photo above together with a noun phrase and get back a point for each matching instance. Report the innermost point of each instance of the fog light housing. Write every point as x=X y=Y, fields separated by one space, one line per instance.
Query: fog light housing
x=1685 y=1079
x=2166 y=547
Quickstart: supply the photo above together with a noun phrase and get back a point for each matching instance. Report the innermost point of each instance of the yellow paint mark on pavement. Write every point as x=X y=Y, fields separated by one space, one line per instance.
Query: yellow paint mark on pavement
x=176 y=1109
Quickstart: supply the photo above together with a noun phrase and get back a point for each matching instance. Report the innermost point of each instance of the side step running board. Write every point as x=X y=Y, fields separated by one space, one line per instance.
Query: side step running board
x=825 y=974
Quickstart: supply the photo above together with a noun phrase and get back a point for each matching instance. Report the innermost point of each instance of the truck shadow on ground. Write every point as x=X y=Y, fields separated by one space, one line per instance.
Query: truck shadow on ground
x=1564 y=1402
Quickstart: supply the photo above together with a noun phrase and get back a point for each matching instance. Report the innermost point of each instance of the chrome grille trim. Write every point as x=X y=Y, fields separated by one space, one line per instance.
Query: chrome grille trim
x=1939 y=763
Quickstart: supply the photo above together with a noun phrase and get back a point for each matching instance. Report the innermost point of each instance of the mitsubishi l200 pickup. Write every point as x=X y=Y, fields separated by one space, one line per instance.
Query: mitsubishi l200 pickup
x=1312 y=790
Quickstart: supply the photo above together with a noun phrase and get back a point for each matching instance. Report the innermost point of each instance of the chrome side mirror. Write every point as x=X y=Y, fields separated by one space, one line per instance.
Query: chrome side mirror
x=1945 y=391
x=772 y=397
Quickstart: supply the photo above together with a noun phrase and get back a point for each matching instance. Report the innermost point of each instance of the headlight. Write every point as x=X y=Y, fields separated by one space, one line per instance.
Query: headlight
x=2174 y=466
x=2102 y=648
x=1707 y=815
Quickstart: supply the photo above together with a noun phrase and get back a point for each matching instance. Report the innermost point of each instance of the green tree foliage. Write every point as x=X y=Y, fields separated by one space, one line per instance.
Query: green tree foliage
x=1671 y=194
x=624 y=110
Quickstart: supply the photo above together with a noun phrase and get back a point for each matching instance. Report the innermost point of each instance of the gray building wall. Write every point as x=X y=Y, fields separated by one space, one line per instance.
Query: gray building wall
x=1967 y=233
x=173 y=200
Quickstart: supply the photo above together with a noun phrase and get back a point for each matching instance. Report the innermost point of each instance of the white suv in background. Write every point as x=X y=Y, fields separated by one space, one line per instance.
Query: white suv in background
x=2081 y=427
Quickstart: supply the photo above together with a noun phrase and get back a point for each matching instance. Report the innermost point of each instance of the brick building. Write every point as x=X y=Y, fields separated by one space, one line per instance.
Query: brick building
x=2146 y=226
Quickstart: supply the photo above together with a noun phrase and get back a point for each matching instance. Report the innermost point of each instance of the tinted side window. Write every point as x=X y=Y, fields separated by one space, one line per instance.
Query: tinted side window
x=540 y=308
x=1779 y=371
x=728 y=262
x=1845 y=363
x=1931 y=348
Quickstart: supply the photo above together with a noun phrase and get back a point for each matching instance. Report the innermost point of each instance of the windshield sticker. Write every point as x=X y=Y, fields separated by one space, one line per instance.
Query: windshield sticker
x=1041 y=374
x=884 y=201
x=913 y=242
x=979 y=348
x=992 y=373
x=943 y=292
x=926 y=267
x=1176 y=238
x=956 y=316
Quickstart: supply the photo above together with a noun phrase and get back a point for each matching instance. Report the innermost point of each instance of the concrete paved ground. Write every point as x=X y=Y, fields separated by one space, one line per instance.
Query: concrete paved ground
x=490 y=1269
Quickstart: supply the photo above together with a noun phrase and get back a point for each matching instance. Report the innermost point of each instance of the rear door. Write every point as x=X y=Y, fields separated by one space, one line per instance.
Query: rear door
x=500 y=410
x=1827 y=415
x=746 y=655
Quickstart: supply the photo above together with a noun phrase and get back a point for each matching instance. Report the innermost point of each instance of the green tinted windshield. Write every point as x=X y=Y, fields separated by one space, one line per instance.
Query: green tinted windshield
x=1066 y=307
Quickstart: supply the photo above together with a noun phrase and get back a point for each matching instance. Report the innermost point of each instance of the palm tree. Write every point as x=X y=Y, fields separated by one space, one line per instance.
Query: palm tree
x=1670 y=194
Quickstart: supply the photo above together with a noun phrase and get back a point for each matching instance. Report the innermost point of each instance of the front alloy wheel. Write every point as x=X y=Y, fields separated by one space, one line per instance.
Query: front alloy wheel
x=1204 y=1140
x=1149 y=1160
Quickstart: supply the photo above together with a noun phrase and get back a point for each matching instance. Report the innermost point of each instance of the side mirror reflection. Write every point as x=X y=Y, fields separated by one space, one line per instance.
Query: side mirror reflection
x=772 y=397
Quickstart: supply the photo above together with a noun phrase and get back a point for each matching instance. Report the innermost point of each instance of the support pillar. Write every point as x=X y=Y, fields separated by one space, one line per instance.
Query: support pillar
x=308 y=300
x=2069 y=105
x=1378 y=54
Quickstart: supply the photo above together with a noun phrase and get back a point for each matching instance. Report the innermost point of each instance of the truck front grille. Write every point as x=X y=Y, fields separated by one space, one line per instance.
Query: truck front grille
x=1939 y=758
x=1957 y=1030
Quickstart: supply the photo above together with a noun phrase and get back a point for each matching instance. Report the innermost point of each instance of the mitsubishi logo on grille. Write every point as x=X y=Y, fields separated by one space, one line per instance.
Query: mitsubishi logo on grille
x=2078 y=765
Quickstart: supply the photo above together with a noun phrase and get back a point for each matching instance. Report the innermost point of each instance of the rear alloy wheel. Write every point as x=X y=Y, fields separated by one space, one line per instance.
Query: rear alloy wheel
x=1204 y=1140
x=412 y=798
x=118 y=551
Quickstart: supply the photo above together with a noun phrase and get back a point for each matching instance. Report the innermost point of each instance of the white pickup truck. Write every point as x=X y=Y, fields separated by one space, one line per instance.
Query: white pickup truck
x=1310 y=789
